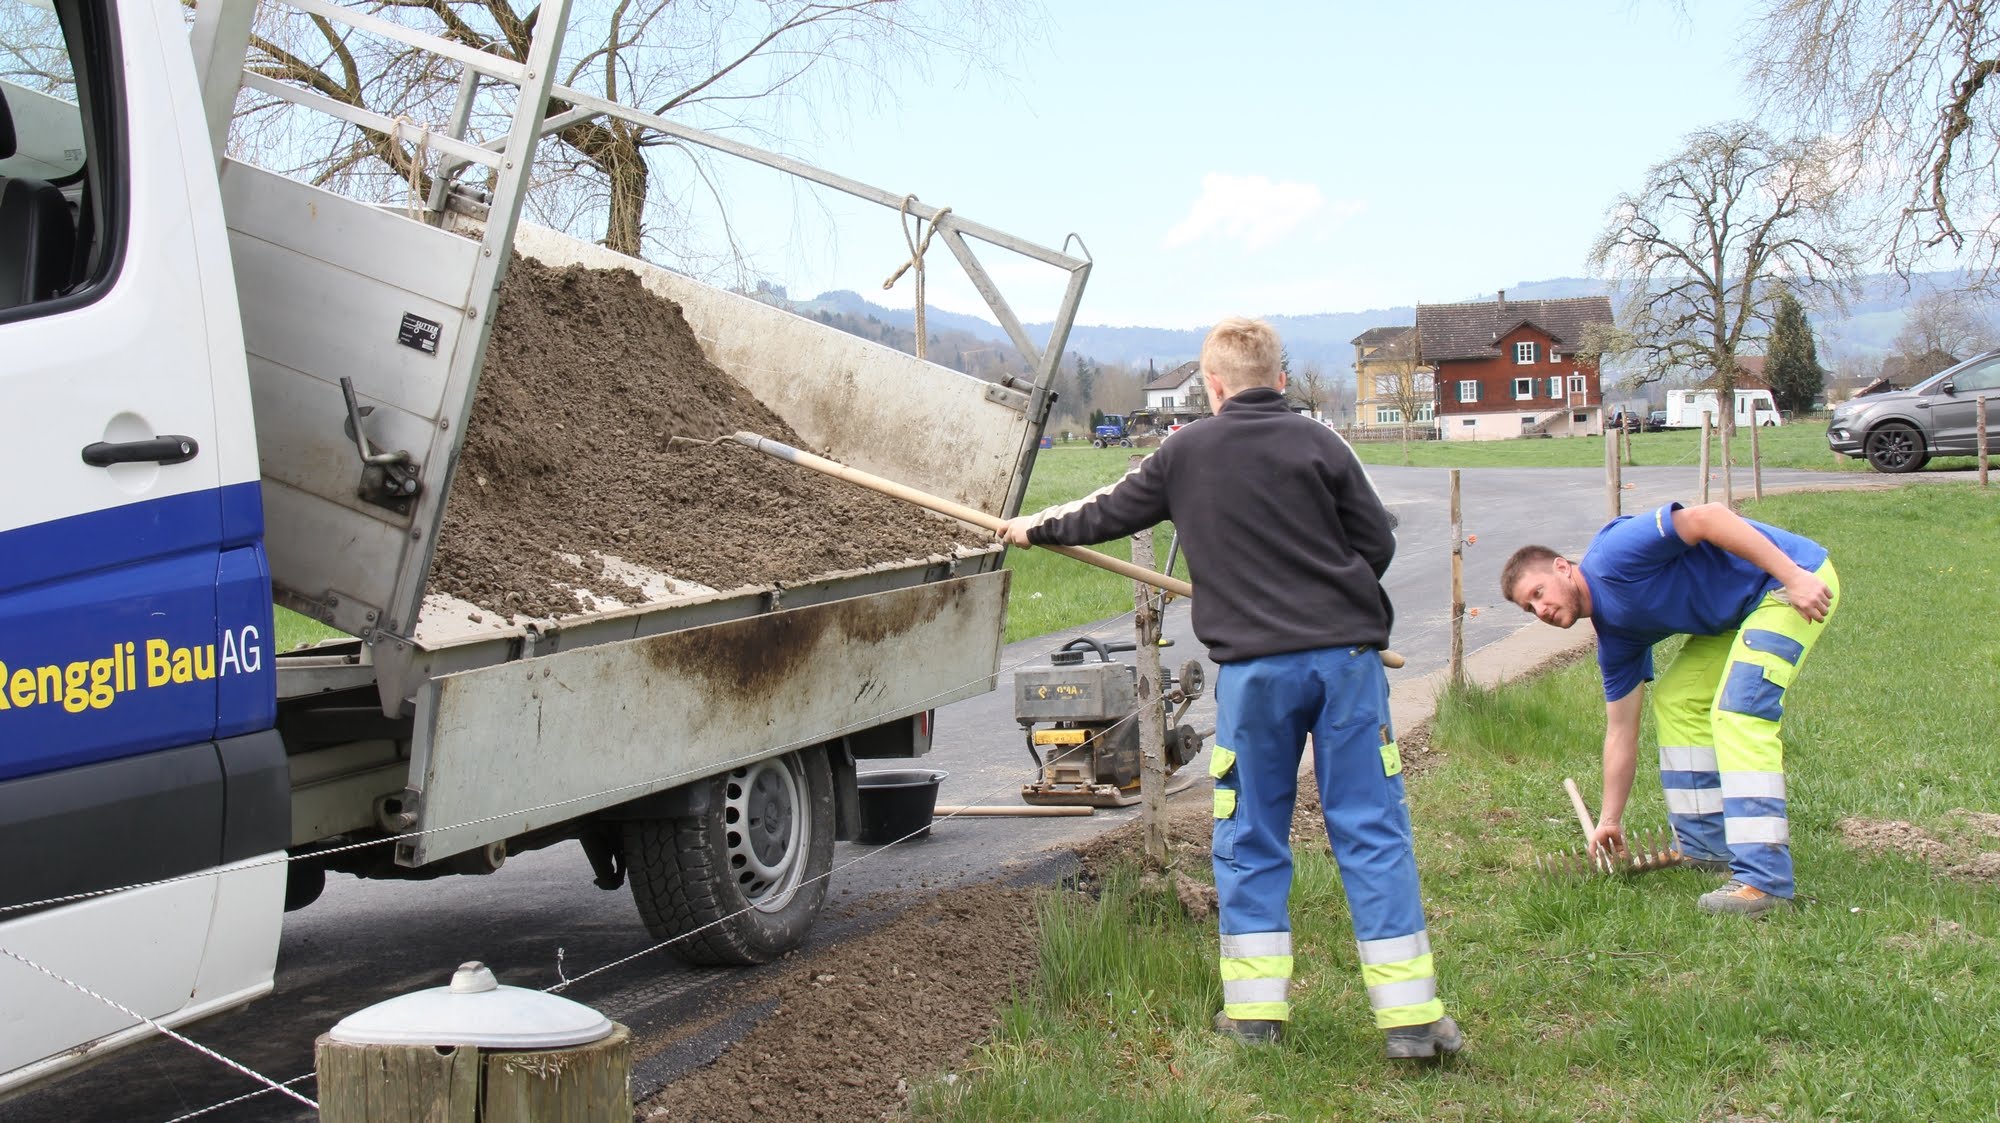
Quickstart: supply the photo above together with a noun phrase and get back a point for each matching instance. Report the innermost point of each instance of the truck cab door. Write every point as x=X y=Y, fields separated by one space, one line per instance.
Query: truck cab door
x=134 y=601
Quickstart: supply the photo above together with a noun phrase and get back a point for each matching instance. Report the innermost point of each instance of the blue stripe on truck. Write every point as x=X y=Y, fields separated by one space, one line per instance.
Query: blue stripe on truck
x=134 y=629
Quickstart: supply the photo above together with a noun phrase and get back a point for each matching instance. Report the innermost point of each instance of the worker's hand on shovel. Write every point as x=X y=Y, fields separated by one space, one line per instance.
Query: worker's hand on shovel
x=1015 y=532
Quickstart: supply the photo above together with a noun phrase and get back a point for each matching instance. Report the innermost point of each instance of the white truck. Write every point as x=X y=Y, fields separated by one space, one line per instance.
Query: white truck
x=205 y=360
x=1685 y=408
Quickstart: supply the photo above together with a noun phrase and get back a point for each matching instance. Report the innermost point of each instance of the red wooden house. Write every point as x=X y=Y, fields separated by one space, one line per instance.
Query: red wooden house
x=1507 y=368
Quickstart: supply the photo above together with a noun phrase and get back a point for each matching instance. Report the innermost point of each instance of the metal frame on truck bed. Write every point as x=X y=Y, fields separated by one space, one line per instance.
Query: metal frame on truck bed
x=432 y=743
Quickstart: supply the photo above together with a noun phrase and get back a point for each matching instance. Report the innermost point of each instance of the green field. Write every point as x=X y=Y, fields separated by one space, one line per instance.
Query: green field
x=1877 y=998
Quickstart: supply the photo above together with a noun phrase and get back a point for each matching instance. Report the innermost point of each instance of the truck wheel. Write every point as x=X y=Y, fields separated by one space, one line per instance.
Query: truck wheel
x=1097 y=442
x=1895 y=447
x=743 y=878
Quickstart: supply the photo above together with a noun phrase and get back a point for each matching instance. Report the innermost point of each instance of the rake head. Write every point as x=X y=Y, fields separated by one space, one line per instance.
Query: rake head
x=1645 y=851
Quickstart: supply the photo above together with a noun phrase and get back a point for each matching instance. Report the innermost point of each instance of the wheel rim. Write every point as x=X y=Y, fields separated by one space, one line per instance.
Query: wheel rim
x=764 y=824
x=1891 y=448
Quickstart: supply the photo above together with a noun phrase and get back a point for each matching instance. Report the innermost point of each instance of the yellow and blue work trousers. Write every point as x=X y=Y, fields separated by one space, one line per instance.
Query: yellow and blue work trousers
x=1717 y=710
x=1264 y=709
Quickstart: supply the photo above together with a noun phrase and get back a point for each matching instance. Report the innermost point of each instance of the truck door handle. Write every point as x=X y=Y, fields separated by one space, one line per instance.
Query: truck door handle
x=169 y=449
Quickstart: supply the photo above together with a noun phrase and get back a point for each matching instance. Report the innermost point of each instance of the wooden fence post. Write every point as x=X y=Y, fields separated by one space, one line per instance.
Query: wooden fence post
x=1611 y=435
x=1756 y=462
x=1457 y=584
x=1982 y=442
x=1704 y=456
x=1152 y=723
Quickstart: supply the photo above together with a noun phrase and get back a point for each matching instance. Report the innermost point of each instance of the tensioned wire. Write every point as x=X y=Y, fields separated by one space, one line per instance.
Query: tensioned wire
x=1094 y=631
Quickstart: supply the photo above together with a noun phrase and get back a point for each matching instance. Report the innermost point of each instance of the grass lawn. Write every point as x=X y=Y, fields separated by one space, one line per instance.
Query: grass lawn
x=1052 y=592
x=1877 y=998
x=295 y=630
x=1802 y=445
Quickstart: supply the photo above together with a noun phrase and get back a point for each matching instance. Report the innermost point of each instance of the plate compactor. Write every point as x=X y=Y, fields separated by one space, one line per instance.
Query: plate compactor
x=1081 y=714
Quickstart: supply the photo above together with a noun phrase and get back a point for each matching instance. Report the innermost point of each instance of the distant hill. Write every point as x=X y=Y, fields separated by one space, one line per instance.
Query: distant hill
x=1861 y=335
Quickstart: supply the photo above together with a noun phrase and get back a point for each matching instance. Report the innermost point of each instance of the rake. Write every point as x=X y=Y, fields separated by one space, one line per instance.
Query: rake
x=1644 y=851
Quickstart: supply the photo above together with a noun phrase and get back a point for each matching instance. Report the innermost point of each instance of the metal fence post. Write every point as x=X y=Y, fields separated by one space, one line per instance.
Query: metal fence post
x=1152 y=728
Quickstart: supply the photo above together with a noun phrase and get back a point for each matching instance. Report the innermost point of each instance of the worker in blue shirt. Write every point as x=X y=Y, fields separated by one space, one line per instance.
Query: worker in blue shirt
x=1752 y=600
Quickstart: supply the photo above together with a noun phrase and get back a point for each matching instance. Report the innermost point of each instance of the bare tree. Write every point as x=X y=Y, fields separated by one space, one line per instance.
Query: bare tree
x=1942 y=325
x=753 y=66
x=1310 y=387
x=1907 y=86
x=1693 y=252
x=1404 y=381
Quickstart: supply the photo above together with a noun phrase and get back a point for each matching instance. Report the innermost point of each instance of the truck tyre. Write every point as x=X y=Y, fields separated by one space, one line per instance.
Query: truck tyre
x=1097 y=442
x=743 y=878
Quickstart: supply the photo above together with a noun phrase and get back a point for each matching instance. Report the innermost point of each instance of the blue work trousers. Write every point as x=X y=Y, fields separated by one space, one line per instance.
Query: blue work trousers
x=1265 y=709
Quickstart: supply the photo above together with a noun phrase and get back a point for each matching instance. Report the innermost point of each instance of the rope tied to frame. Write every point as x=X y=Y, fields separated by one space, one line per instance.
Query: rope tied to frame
x=412 y=203
x=912 y=225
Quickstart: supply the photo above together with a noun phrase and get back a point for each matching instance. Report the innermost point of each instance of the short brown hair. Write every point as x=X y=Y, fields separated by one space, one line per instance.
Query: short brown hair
x=1517 y=567
x=1242 y=353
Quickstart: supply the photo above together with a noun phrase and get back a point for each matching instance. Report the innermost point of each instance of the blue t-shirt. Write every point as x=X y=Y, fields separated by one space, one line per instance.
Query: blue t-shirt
x=1647 y=584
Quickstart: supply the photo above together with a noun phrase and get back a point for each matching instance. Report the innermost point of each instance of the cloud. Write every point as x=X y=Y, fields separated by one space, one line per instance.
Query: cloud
x=1254 y=211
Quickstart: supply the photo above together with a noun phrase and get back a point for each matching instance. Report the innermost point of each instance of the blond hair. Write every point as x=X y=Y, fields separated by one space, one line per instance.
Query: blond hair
x=1242 y=353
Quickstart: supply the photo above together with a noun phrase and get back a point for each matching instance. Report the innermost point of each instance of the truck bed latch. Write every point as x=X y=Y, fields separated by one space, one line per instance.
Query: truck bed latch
x=388 y=479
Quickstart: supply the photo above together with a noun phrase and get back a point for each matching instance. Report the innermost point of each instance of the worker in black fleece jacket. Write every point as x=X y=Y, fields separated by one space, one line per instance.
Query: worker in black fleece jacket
x=1286 y=542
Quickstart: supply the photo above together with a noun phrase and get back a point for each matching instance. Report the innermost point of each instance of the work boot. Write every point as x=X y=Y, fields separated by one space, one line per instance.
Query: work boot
x=1740 y=899
x=1249 y=1031
x=1705 y=865
x=1427 y=1040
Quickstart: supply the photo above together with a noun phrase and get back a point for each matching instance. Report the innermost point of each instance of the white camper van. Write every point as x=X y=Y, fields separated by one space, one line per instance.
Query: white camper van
x=1753 y=407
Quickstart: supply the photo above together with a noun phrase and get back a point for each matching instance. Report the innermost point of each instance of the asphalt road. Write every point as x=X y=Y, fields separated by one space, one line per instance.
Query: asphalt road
x=540 y=918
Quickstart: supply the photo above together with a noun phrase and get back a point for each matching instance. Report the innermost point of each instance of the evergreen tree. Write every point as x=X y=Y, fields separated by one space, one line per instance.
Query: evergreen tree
x=1793 y=363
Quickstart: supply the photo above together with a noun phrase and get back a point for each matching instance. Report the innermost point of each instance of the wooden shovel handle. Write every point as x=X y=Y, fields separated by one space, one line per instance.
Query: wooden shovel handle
x=972 y=515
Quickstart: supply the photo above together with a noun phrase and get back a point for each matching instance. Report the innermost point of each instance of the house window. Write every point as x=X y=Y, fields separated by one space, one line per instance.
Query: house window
x=1426 y=382
x=1426 y=411
x=1576 y=384
x=1468 y=391
x=1469 y=422
x=1555 y=356
x=1167 y=402
x=1524 y=388
x=1556 y=386
x=1385 y=385
x=1524 y=353
x=1579 y=418
x=1388 y=415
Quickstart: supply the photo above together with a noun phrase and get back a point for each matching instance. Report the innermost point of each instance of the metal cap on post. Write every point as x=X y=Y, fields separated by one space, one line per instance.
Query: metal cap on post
x=475 y=1052
x=474 y=1010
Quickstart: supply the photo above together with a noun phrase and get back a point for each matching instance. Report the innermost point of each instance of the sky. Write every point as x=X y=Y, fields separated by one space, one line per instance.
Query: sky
x=1263 y=158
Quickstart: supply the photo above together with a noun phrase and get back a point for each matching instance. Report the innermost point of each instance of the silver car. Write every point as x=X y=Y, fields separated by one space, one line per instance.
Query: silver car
x=1900 y=430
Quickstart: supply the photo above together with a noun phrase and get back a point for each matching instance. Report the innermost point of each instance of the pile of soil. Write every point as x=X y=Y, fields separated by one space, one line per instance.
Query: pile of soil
x=588 y=375
x=1964 y=856
x=857 y=1027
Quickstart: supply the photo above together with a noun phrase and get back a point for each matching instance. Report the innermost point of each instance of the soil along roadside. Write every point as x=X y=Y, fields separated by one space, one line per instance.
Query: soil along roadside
x=587 y=376
x=861 y=1024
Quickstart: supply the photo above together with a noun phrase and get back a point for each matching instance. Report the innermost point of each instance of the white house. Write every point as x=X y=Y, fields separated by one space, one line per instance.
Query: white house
x=1168 y=393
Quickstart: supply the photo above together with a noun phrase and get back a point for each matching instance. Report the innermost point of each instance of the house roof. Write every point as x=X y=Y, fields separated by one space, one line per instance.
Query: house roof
x=1749 y=375
x=1177 y=377
x=1474 y=331
x=1376 y=337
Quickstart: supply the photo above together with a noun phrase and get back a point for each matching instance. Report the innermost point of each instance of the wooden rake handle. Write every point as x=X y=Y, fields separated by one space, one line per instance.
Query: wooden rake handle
x=1584 y=820
x=782 y=451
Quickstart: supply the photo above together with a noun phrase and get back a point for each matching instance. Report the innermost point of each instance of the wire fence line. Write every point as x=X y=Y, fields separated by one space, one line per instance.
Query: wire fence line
x=273 y=1086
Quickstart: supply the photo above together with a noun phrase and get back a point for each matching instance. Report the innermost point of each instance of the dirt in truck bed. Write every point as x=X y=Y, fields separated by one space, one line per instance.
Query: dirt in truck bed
x=587 y=376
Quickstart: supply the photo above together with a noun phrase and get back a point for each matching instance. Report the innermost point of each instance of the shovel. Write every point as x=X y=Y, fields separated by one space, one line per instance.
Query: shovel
x=978 y=518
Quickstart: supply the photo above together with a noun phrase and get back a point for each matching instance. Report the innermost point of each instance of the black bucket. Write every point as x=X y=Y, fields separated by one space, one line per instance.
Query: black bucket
x=897 y=804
